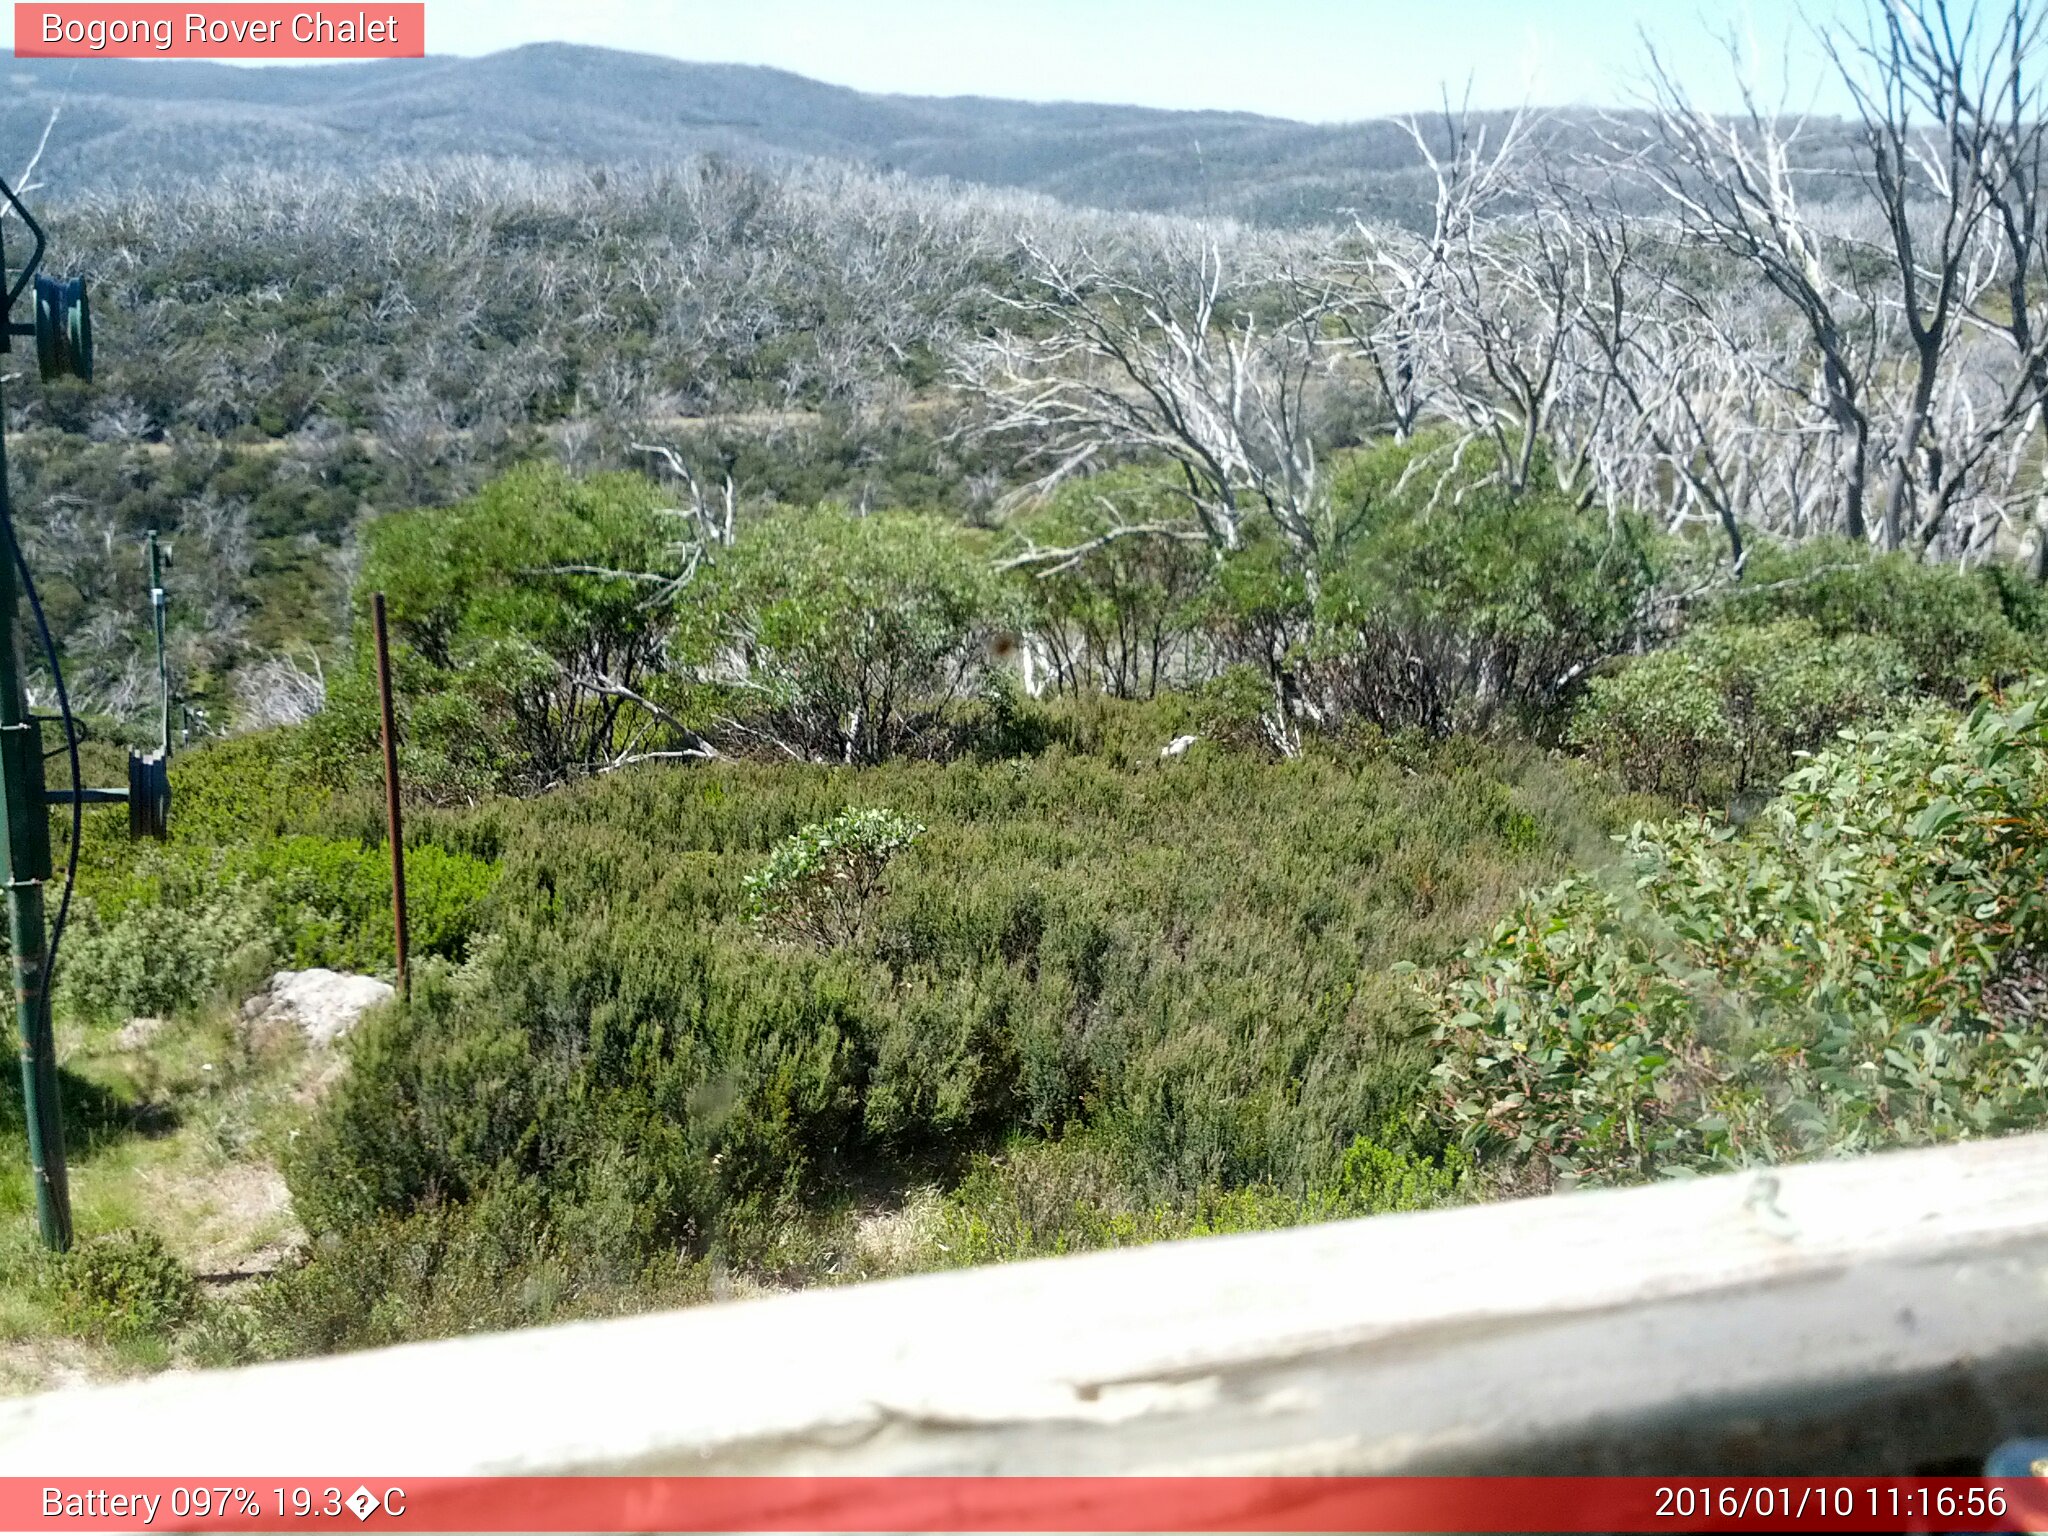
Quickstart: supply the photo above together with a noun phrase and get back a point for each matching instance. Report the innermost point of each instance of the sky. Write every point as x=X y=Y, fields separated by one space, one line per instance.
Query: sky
x=1317 y=60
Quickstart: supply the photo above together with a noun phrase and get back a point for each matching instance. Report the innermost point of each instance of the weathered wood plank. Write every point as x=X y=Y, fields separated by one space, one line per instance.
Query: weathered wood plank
x=1883 y=1314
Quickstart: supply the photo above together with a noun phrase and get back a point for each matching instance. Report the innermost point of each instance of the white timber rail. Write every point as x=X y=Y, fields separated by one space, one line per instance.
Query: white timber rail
x=1882 y=1314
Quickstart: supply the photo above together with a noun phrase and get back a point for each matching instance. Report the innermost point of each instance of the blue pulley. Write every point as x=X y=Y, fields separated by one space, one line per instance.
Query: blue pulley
x=2019 y=1458
x=149 y=795
x=63 y=328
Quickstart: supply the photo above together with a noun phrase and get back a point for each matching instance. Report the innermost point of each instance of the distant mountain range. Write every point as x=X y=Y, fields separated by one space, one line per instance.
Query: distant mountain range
x=128 y=120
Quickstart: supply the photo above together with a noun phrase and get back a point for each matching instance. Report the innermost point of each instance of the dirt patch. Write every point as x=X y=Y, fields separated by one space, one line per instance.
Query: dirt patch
x=50 y=1364
x=239 y=1219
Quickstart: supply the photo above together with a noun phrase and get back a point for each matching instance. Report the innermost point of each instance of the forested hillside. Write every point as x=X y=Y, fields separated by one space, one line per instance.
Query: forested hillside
x=130 y=124
x=941 y=724
x=597 y=107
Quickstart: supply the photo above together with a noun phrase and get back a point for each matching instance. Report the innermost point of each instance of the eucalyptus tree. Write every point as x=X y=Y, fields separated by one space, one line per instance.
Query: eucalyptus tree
x=1893 y=289
x=1929 y=87
x=1733 y=186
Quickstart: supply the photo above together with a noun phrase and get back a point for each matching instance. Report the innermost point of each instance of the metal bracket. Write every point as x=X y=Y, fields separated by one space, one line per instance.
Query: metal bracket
x=86 y=797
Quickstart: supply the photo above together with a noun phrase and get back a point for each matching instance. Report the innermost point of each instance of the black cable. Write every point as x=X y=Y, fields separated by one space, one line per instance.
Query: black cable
x=35 y=606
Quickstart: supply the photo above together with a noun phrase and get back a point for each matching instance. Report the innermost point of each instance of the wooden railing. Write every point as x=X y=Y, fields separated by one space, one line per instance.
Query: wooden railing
x=1887 y=1314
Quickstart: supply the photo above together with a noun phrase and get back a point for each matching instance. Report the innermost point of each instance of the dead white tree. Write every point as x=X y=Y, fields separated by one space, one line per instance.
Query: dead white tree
x=278 y=691
x=26 y=182
x=1711 y=418
x=1922 y=85
x=1891 y=288
x=1195 y=353
x=1987 y=83
x=1508 y=292
x=1176 y=351
x=707 y=522
x=1734 y=185
x=1381 y=300
x=1451 y=321
x=1386 y=300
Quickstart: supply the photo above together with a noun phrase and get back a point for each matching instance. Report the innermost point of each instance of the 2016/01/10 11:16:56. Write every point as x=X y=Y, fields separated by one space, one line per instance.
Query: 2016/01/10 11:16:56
x=1741 y=1501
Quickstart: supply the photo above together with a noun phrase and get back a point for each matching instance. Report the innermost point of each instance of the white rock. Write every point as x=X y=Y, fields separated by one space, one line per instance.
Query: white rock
x=325 y=1005
x=136 y=1034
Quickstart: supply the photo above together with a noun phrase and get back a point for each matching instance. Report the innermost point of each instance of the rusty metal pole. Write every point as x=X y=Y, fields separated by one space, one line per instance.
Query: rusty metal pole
x=397 y=831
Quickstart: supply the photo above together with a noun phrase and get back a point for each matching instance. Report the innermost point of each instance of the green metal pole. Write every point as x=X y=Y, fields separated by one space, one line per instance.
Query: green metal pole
x=25 y=830
x=158 y=601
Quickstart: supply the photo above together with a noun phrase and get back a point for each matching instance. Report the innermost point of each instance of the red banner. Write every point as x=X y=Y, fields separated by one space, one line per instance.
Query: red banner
x=372 y=31
x=1024 y=1504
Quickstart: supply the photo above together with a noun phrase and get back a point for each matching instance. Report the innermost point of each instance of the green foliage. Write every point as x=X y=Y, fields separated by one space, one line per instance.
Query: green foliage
x=124 y=1284
x=1729 y=706
x=1125 y=616
x=1235 y=708
x=330 y=901
x=181 y=932
x=520 y=627
x=448 y=1270
x=240 y=789
x=1832 y=977
x=1180 y=964
x=1261 y=607
x=1956 y=628
x=244 y=887
x=822 y=881
x=847 y=639
x=1449 y=608
x=1037 y=1200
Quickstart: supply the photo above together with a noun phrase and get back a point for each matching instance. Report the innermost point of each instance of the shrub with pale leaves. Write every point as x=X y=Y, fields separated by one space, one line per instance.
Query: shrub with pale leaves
x=821 y=884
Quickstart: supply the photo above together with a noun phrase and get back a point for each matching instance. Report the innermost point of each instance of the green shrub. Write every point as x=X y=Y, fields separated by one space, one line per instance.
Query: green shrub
x=1820 y=980
x=1729 y=706
x=846 y=639
x=1956 y=629
x=1065 y=1197
x=1659 y=721
x=444 y=1270
x=330 y=901
x=1124 y=616
x=1260 y=607
x=1235 y=708
x=822 y=882
x=235 y=789
x=521 y=630
x=1480 y=607
x=185 y=922
x=125 y=1284
x=1181 y=963
x=662 y=1072
x=181 y=930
